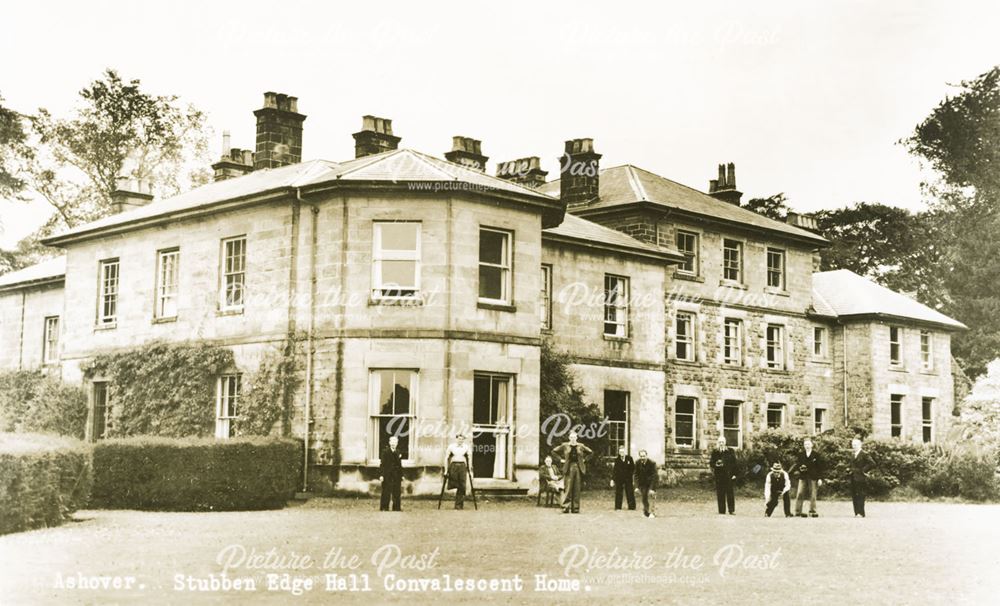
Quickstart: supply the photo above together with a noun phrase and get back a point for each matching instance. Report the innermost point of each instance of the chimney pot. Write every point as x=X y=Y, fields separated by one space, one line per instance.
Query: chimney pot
x=130 y=194
x=523 y=171
x=579 y=181
x=724 y=188
x=374 y=137
x=467 y=152
x=279 y=132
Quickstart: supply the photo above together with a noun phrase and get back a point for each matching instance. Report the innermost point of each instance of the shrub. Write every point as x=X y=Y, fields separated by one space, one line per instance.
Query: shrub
x=31 y=401
x=957 y=473
x=195 y=474
x=43 y=479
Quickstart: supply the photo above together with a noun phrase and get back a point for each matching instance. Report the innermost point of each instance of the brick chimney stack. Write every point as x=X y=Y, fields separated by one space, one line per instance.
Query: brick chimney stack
x=234 y=162
x=467 y=152
x=130 y=194
x=279 y=132
x=724 y=188
x=374 y=137
x=580 y=168
x=524 y=171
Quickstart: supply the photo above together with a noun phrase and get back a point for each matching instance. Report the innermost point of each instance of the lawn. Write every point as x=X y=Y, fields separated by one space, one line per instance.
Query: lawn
x=903 y=553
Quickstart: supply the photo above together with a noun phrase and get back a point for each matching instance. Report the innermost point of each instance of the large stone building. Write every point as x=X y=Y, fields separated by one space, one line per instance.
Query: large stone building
x=423 y=289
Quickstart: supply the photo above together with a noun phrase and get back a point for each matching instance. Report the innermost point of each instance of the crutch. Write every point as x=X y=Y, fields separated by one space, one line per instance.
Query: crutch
x=472 y=488
x=444 y=485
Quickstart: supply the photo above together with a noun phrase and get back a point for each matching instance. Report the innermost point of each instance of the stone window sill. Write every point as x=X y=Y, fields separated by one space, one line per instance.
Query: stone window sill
x=692 y=363
x=615 y=339
x=679 y=275
x=108 y=326
x=165 y=320
x=780 y=292
x=230 y=312
x=496 y=306
x=732 y=284
x=397 y=301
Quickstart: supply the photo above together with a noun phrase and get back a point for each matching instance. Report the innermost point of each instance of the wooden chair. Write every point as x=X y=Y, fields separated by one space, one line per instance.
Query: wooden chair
x=551 y=494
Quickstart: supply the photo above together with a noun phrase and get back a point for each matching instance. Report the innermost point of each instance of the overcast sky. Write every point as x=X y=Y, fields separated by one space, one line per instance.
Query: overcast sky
x=808 y=98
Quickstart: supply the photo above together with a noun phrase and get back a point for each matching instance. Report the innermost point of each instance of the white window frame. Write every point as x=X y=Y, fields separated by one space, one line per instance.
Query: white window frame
x=109 y=276
x=772 y=406
x=776 y=345
x=545 y=310
x=375 y=411
x=926 y=351
x=229 y=271
x=623 y=425
x=737 y=246
x=688 y=339
x=692 y=256
x=897 y=360
x=167 y=283
x=738 y=404
x=616 y=312
x=50 y=340
x=927 y=421
x=822 y=342
x=228 y=391
x=732 y=345
x=694 y=422
x=506 y=267
x=780 y=271
x=901 y=400
x=821 y=427
x=380 y=254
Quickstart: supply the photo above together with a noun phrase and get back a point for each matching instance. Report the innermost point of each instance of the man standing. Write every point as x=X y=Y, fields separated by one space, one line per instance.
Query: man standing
x=723 y=464
x=646 y=477
x=809 y=469
x=861 y=464
x=391 y=474
x=574 y=456
x=621 y=479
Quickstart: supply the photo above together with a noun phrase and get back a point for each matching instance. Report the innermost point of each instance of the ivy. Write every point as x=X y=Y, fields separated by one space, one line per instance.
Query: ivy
x=169 y=390
x=162 y=389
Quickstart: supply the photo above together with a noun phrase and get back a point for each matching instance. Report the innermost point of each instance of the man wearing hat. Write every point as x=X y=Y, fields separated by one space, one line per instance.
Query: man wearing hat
x=776 y=486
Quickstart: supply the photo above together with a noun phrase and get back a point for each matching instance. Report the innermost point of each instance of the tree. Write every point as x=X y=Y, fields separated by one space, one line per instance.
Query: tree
x=13 y=136
x=895 y=247
x=118 y=131
x=960 y=140
x=563 y=405
x=775 y=207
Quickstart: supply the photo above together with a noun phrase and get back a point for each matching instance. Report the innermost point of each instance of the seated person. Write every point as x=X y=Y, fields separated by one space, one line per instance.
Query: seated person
x=549 y=476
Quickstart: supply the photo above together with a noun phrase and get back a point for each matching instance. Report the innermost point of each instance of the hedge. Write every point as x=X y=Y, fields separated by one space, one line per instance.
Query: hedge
x=195 y=474
x=31 y=401
x=43 y=479
x=934 y=471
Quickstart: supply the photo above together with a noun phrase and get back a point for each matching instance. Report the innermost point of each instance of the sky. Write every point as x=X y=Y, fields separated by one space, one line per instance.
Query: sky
x=808 y=98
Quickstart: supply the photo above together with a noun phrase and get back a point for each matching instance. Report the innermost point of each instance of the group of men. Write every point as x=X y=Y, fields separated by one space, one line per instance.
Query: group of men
x=808 y=468
x=630 y=476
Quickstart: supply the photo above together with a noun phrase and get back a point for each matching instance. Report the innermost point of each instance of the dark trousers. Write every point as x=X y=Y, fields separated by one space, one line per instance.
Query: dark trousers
x=648 y=501
x=391 y=490
x=785 y=497
x=724 y=494
x=800 y=495
x=571 y=497
x=624 y=487
x=858 y=496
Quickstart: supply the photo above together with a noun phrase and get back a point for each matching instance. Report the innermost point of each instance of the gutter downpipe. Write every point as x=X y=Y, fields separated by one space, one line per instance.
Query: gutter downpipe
x=307 y=416
x=843 y=334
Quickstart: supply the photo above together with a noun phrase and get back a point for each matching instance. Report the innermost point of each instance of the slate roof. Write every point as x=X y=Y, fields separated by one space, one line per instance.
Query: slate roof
x=844 y=293
x=50 y=269
x=590 y=233
x=392 y=167
x=627 y=184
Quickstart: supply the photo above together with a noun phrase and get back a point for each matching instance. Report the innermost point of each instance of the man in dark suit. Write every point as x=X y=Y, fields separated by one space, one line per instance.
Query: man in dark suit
x=391 y=474
x=621 y=479
x=574 y=456
x=723 y=465
x=646 y=477
x=861 y=464
x=809 y=467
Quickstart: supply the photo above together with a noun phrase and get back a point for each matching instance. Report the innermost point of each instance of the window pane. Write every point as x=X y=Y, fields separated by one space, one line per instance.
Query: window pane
x=394 y=426
x=481 y=399
x=399 y=236
x=399 y=273
x=492 y=247
x=685 y=406
x=615 y=405
x=491 y=282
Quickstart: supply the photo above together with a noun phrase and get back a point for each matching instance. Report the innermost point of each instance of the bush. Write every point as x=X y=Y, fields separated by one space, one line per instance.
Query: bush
x=43 y=479
x=961 y=474
x=195 y=474
x=31 y=401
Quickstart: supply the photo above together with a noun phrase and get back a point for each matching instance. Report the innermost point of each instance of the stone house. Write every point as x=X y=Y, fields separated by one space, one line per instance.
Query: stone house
x=423 y=288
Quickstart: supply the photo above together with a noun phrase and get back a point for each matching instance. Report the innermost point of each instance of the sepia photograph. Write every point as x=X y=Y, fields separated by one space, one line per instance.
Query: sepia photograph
x=463 y=303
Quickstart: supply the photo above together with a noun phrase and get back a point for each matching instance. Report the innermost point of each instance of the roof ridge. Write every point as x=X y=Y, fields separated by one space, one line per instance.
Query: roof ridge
x=424 y=158
x=640 y=191
x=369 y=160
